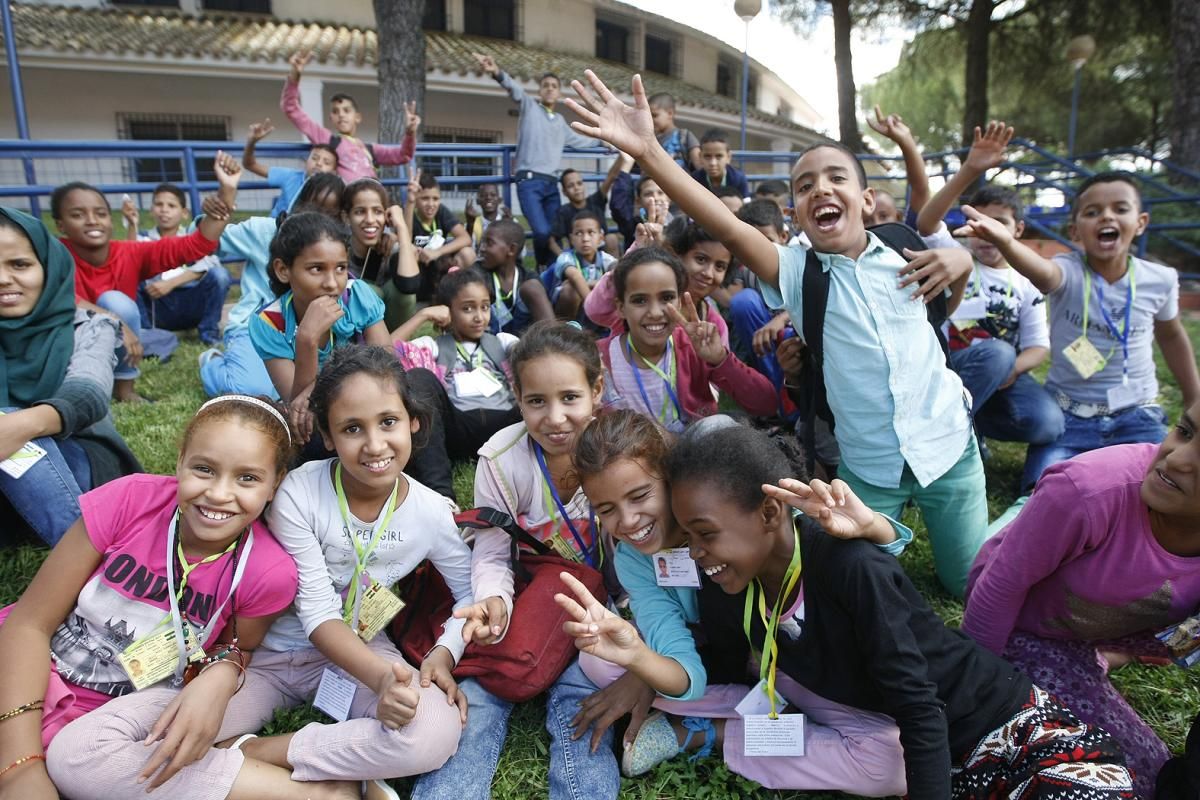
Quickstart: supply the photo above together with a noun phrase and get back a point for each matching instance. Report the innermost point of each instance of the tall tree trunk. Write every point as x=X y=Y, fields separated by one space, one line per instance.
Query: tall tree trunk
x=848 y=131
x=975 y=102
x=401 y=65
x=1185 y=122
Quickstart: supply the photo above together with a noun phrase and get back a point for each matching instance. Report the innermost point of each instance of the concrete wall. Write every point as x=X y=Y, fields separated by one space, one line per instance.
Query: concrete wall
x=567 y=25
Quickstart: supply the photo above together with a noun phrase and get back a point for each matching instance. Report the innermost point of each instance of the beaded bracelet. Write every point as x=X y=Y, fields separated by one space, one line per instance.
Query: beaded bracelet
x=195 y=668
x=20 y=761
x=36 y=704
x=238 y=664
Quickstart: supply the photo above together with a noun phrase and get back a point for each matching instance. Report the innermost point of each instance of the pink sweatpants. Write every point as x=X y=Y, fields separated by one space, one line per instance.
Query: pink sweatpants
x=100 y=754
x=845 y=749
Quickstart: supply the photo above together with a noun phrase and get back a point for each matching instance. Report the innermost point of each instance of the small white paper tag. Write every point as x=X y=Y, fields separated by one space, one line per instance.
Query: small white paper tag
x=970 y=310
x=465 y=384
x=335 y=694
x=19 y=462
x=674 y=567
x=782 y=736
x=1123 y=395
x=756 y=702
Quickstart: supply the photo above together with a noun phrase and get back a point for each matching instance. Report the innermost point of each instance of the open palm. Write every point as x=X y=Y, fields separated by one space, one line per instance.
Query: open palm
x=627 y=128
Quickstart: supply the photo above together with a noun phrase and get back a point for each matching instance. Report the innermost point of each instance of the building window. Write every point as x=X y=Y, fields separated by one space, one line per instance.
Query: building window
x=658 y=55
x=462 y=166
x=784 y=111
x=246 y=6
x=435 y=15
x=174 y=127
x=727 y=79
x=160 y=3
x=494 y=18
x=612 y=41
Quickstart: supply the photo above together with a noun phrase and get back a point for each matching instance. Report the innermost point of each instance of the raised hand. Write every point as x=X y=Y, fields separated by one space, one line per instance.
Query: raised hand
x=298 y=62
x=414 y=185
x=395 y=218
x=487 y=64
x=650 y=232
x=987 y=150
x=129 y=211
x=892 y=126
x=704 y=335
x=437 y=668
x=603 y=116
x=260 y=130
x=486 y=621
x=934 y=270
x=469 y=211
x=397 y=697
x=833 y=505
x=595 y=629
x=438 y=315
x=228 y=170
x=984 y=227
x=412 y=120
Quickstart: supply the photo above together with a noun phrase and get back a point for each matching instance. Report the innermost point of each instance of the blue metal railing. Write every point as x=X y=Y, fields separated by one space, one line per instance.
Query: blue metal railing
x=115 y=167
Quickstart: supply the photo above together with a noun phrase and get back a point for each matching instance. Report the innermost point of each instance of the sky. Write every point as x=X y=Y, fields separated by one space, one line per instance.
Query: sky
x=775 y=46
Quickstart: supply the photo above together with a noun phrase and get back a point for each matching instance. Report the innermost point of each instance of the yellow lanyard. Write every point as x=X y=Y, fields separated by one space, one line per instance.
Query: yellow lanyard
x=431 y=228
x=360 y=563
x=668 y=377
x=500 y=295
x=977 y=287
x=474 y=360
x=769 y=658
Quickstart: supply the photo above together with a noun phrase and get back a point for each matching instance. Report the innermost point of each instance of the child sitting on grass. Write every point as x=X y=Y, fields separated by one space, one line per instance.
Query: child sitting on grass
x=491 y=209
x=570 y=278
x=355 y=158
x=191 y=295
x=321 y=158
x=902 y=422
x=518 y=296
x=998 y=333
x=1107 y=307
x=441 y=239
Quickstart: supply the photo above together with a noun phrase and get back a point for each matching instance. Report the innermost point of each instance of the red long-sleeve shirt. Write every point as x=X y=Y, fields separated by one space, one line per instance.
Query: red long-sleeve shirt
x=132 y=262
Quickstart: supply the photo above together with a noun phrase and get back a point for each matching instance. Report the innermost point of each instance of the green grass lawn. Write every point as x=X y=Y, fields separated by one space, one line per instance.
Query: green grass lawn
x=1167 y=697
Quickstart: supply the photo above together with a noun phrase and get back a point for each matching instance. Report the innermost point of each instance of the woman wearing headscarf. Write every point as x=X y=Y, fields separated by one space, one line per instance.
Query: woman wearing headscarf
x=57 y=439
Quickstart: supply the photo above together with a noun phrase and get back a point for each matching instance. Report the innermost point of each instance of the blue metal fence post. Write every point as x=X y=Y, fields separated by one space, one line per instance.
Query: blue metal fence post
x=189 y=174
x=18 y=98
x=506 y=169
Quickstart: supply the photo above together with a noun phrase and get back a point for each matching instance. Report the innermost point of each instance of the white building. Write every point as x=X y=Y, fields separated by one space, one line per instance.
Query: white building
x=206 y=69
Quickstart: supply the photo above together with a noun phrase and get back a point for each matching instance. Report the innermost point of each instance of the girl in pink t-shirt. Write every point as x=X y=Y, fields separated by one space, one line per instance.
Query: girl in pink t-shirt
x=166 y=583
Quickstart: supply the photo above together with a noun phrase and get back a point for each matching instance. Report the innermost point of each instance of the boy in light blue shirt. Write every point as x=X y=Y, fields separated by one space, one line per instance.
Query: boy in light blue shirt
x=902 y=421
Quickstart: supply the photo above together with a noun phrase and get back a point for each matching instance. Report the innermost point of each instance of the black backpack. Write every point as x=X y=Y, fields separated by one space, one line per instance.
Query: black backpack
x=809 y=396
x=335 y=141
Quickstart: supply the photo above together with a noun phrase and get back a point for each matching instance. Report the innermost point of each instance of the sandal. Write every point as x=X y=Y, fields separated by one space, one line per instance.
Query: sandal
x=656 y=742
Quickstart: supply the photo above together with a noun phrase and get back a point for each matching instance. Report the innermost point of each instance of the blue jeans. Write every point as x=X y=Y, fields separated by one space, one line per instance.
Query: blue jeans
x=196 y=305
x=539 y=202
x=575 y=772
x=747 y=313
x=1024 y=412
x=126 y=308
x=239 y=370
x=47 y=496
x=1082 y=434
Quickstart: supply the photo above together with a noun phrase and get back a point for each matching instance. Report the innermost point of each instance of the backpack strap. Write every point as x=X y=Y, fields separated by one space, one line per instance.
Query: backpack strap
x=810 y=399
x=494 y=351
x=447 y=352
x=335 y=140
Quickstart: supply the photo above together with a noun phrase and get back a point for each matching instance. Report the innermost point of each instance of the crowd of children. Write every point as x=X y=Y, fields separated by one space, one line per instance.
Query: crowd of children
x=726 y=579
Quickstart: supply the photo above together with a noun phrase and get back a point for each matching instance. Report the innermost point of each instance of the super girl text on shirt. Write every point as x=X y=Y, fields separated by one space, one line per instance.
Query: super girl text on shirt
x=234 y=454
x=558 y=381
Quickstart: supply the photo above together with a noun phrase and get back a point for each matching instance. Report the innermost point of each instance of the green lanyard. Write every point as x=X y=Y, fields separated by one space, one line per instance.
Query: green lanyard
x=977 y=286
x=431 y=228
x=474 y=360
x=769 y=659
x=360 y=564
x=500 y=296
x=668 y=377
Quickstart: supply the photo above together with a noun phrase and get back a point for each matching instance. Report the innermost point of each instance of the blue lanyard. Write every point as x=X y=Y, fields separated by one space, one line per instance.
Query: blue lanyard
x=1121 y=336
x=584 y=550
x=637 y=376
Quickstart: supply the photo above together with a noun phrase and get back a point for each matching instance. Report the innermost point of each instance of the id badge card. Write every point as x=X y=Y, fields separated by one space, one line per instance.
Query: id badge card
x=1084 y=357
x=335 y=694
x=674 y=567
x=466 y=384
x=559 y=545
x=153 y=659
x=1123 y=395
x=378 y=607
x=19 y=462
x=501 y=313
x=756 y=701
x=969 y=312
x=782 y=736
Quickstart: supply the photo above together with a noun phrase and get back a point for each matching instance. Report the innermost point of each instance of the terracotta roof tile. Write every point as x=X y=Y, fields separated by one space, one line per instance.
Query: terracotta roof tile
x=172 y=34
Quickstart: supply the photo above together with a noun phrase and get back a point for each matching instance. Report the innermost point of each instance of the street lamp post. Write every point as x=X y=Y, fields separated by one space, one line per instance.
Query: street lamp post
x=747 y=10
x=1079 y=50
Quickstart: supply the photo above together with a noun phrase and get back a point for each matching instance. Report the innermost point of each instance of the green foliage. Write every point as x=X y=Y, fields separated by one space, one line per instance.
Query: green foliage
x=1125 y=91
x=1166 y=697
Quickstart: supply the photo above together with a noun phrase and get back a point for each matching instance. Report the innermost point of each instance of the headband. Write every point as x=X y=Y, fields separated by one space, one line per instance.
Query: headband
x=254 y=401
